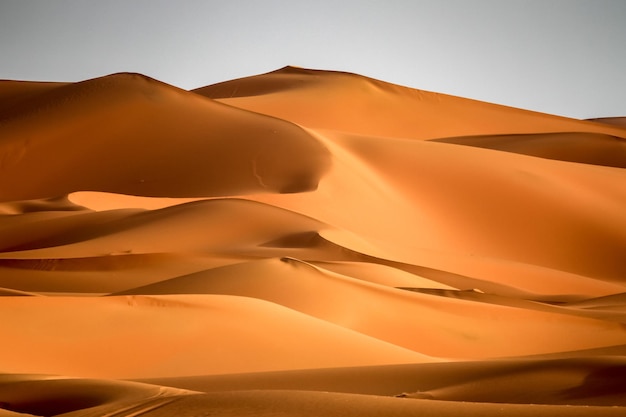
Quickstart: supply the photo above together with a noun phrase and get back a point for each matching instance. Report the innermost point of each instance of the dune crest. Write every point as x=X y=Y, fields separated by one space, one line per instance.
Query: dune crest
x=305 y=243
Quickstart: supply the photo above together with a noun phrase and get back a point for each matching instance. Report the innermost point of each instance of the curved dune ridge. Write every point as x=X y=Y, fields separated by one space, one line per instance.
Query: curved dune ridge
x=306 y=243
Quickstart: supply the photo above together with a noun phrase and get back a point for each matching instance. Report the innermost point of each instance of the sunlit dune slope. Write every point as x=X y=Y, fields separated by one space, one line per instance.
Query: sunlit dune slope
x=347 y=302
x=116 y=250
x=133 y=231
x=458 y=208
x=357 y=104
x=141 y=337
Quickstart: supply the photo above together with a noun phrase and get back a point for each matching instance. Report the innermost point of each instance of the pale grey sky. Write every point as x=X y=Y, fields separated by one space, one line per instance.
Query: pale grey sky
x=565 y=57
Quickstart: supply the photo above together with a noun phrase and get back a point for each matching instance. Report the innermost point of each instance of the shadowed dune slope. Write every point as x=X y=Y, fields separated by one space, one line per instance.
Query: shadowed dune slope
x=40 y=395
x=23 y=96
x=49 y=395
x=130 y=134
x=586 y=148
x=306 y=243
x=615 y=121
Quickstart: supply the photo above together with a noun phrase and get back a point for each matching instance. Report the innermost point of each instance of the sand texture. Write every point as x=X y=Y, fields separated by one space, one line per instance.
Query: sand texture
x=306 y=243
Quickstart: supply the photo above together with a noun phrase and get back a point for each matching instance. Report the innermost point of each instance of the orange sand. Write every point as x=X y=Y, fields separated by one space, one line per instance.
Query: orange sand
x=306 y=243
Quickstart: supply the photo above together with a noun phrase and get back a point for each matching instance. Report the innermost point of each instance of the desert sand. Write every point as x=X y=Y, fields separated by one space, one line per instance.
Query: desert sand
x=306 y=243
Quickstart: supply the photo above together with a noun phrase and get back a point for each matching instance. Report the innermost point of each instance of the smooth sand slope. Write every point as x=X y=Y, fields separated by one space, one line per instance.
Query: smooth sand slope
x=160 y=136
x=306 y=243
x=352 y=103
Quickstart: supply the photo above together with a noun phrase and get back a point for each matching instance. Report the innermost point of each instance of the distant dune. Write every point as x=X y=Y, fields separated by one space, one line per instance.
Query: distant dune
x=617 y=121
x=306 y=243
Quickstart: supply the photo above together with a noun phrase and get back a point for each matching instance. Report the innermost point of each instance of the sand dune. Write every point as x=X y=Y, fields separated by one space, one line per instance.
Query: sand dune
x=509 y=335
x=302 y=243
x=586 y=148
x=352 y=103
x=459 y=214
x=615 y=121
x=145 y=152
x=116 y=337
x=535 y=381
x=98 y=398
x=48 y=395
x=21 y=96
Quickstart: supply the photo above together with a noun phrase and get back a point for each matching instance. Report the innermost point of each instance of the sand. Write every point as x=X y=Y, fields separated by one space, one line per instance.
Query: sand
x=306 y=243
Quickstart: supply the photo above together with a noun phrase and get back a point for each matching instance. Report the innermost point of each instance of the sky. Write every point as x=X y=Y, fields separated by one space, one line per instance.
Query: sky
x=564 y=57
